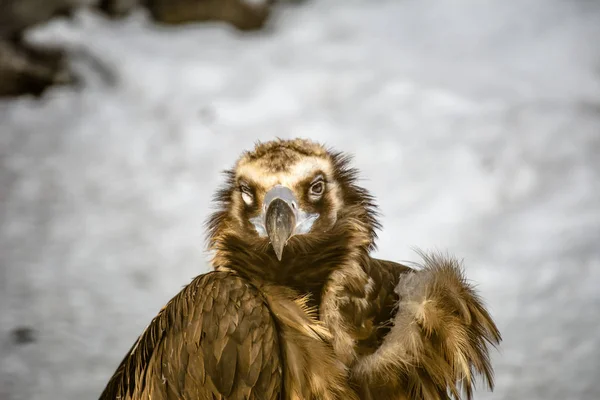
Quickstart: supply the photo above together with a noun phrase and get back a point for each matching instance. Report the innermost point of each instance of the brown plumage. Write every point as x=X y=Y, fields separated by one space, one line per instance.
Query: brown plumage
x=439 y=339
x=297 y=308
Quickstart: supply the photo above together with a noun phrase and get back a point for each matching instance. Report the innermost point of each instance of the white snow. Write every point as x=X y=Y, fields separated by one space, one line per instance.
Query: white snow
x=476 y=124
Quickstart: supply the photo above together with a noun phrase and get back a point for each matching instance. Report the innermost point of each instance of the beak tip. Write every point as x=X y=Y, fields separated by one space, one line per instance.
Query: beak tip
x=278 y=249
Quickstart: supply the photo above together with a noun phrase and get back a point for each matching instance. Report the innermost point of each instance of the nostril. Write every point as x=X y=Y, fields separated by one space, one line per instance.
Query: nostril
x=294 y=205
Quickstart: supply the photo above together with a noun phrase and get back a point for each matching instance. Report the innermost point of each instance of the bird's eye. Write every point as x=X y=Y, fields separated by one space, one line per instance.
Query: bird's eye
x=317 y=188
x=246 y=194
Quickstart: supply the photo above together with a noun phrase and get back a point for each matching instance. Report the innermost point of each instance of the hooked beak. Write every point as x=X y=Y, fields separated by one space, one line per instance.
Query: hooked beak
x=280 y=222
x=281 y=218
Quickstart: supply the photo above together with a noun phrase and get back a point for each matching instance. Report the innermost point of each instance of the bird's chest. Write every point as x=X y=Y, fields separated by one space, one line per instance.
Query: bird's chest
x=351 y=316
x=311 y=368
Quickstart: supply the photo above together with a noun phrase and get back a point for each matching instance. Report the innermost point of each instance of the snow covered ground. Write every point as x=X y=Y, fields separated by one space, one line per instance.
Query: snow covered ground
x=475 y=123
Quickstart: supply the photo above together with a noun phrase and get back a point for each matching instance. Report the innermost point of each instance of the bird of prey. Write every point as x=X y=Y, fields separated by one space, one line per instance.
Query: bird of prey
x=297 y=308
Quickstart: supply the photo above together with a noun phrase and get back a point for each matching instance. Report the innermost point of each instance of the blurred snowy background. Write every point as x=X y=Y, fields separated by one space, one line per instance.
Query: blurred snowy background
x=476 y=124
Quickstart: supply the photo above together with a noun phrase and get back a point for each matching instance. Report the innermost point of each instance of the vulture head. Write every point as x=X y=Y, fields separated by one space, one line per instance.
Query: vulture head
x=291 y=211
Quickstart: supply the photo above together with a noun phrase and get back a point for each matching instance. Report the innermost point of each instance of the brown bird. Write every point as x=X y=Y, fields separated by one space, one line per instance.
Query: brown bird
x=296 y=308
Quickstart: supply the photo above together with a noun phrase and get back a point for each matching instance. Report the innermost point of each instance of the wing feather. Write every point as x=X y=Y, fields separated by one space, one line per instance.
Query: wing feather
x=214 y=340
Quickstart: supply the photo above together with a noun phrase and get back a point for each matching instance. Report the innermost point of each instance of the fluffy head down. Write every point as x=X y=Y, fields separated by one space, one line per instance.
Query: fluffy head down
x=322 y=183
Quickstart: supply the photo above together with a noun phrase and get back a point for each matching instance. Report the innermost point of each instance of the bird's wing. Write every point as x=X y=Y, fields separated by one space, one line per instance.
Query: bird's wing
x=439 y=339
x=215 y=340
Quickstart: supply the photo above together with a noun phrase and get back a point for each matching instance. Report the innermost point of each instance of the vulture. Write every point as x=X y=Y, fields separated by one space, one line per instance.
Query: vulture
x=295 y=306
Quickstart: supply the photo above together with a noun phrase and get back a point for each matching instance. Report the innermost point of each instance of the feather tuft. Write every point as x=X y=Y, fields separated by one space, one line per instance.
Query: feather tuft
x=439 y=340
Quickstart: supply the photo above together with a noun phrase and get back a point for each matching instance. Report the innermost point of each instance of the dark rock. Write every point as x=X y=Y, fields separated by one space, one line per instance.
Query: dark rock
x=18 y=15
x=117 y=8
x=26 y=69
x=242 y=14
x=24 y=335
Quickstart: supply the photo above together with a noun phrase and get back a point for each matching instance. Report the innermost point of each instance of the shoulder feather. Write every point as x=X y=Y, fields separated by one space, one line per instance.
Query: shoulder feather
x=439 y=340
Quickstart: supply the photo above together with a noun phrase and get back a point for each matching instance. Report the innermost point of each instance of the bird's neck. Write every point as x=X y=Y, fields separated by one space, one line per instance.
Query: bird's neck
x=305 y=267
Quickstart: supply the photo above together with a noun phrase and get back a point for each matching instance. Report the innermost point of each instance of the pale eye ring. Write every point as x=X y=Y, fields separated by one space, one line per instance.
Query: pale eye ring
x=317 y=189
x=246 y=194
